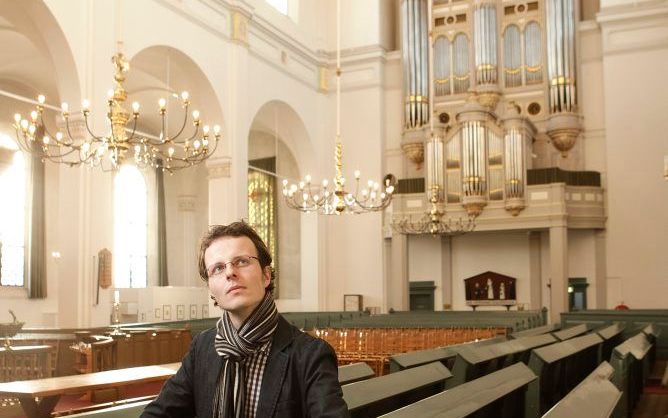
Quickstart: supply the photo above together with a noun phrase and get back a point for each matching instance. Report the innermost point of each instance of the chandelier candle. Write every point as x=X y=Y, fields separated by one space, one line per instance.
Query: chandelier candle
x=167 y=152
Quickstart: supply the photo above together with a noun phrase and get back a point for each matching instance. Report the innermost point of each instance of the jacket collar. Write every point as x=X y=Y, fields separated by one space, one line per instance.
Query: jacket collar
x=275 y=370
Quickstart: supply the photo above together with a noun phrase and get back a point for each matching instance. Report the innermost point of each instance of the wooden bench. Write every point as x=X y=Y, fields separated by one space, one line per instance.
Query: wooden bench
x=653 y=333
x=634 y=320
x=95 y=354
x=499 y=394
x=39 y=397
x=355 y=372
x=474 y=362
x=612 y=336
x=445 y=355
x=126 y=410
x=374 y=397
x=630 y=362
x=595 y=397
x=545 y=329
x=560 y=367
x=571 y=332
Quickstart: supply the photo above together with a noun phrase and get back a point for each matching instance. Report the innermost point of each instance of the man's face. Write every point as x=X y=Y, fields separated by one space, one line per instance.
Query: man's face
x=240 y=289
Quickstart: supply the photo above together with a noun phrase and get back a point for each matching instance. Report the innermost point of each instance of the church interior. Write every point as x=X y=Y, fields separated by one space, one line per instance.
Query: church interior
x=473 y=190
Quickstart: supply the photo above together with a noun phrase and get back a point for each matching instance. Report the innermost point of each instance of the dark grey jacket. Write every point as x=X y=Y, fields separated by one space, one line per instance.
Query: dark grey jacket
x=300 y=380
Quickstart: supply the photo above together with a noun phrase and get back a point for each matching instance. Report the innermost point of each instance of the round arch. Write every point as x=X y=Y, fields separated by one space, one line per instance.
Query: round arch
x=277 y=118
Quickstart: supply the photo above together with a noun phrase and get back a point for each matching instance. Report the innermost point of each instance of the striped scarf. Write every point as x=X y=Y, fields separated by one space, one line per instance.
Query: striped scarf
x=235 y=346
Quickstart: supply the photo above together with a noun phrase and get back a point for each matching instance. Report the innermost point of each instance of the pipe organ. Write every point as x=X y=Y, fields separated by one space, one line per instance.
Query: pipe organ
x=502 y=69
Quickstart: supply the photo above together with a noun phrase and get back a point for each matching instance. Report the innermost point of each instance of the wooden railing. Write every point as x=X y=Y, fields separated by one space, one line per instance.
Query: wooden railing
x=376 y=345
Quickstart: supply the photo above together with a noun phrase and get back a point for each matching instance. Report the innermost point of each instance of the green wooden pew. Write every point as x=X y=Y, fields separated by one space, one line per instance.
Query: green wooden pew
x=544 y=329
x=445 y=355
x=560 y=367
x=129 y=410
x=612 y=336
x=571 y=332
x=630 y=361
x=634 y=319
x=355 y=372
x=377 y=396
x=595 y=397
x=501 y=394
x=474 y=362
x=653 y=333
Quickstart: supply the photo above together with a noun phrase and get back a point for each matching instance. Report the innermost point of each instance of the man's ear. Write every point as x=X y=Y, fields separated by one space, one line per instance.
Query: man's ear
x=266 y=274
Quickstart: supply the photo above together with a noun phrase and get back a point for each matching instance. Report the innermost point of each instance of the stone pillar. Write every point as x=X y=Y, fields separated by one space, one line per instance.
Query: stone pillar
x=558 y=272
x=600 y=288
x=535 y=279
x=186 y=211
x=221 y=187
x=397 y=289
x=446 y=272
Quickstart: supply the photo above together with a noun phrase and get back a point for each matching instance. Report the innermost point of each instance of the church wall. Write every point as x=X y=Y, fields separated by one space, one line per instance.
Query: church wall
x=635 y=59
x=591 y=100
x=505 y=253
x=424 y=264
x=581 y=260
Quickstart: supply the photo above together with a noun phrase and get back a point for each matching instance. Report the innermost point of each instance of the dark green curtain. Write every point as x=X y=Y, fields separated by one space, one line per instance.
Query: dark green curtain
x=163 y=279
x=37 y=240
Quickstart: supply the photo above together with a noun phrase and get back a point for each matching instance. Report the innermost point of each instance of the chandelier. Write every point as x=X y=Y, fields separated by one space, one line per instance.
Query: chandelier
x=169 y=152
x=434 y=221
x=335 y=199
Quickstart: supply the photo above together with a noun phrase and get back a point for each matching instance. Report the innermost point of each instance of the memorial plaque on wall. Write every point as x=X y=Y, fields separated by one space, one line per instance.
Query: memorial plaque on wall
x=104 y=268
x=490 y=289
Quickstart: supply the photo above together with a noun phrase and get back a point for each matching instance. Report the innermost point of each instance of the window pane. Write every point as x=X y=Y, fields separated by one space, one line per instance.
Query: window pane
x=12 y=221
x=130 y=228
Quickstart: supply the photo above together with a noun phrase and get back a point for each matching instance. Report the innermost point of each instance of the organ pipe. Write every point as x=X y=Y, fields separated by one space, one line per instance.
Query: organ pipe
x=415 y=44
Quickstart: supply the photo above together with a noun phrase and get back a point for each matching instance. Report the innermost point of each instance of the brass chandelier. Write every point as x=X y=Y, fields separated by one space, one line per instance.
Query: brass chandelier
x=334 y=200
x=434 y=221
x=74 y=148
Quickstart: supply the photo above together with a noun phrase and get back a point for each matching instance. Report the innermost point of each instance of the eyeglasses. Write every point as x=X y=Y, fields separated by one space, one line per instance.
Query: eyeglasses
x=239 y=262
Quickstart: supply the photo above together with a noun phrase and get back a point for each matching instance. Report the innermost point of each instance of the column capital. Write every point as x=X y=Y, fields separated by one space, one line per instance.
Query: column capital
x=240 y=19
x=219 y=167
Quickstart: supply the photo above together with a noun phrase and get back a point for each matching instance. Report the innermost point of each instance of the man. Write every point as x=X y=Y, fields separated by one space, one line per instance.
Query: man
x=254 y=363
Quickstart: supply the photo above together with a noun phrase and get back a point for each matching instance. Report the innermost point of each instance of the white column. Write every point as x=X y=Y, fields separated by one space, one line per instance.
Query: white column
x=535 y=294
x=600 y=289
x=397 y=289
x=558 y=272
x=446 y=273
x=186 y=209
x=221 y=191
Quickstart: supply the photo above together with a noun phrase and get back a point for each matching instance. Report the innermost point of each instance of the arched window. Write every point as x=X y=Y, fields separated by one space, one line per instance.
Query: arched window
x=12 y=215
x=512 y=57
x=130 y=228
x=461 y=64
x=442 y=66
x=532 y=54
